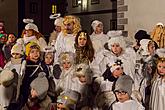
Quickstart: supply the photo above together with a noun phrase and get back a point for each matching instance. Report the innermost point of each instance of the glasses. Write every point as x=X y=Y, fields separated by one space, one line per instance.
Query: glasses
x=120 y=92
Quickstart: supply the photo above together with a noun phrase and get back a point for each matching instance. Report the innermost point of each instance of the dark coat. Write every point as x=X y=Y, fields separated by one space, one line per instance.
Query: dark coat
x=31 y=73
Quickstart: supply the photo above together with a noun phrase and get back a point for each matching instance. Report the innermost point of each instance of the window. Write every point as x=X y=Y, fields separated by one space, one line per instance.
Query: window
x=33 y=7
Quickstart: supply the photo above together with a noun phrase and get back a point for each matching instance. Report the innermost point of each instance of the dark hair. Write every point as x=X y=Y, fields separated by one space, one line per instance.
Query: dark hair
x=89 y=50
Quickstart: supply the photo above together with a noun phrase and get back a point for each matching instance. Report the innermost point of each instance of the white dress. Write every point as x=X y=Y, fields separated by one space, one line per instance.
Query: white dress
x=157 y=99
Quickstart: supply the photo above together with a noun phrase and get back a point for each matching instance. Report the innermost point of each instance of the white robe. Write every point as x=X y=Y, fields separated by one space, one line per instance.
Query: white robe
x=157 y=99
x=105 y=57
x=41 y=42
x=64 y=44
x=98 y=41
x=65 y=81
x=127 y=105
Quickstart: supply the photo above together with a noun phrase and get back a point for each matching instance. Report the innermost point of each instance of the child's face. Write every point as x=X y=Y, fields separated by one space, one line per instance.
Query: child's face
x=34 y=54
x=60 y=106
x=66 y=65
x=161 y=68
x=11 y=38
x=151 y=48
x=116 y=49
x=48 y=58
x=117 y=72
x=82 y=39
x=99 y=29
x=122 y=96
x=82 y=78
x=33 y=93
x=16 y=55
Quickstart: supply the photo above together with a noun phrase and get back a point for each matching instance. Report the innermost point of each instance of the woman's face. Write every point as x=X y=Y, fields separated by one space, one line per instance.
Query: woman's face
x=28 y=33
x=58 y=29
x=82 y=39
x=116 y=49
x=11 y=38
x=161 y=68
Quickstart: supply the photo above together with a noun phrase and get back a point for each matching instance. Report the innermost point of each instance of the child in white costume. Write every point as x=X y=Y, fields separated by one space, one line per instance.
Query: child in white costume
x=157 y=98
x=66 y=60
x=123 y=91
x=48 y=60
x=17 y=59
x=116 y=50
x=17 y=64
x=7 y=88
x=98 y=38
x=145 y=67
x=81 y=84
x=105 y=95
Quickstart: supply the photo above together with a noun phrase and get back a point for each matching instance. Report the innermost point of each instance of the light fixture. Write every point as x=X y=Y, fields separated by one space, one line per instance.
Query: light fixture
x=79 y=2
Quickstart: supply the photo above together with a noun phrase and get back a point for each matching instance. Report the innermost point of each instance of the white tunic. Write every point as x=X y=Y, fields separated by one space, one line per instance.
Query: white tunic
x=157 y=99
x=128 y=105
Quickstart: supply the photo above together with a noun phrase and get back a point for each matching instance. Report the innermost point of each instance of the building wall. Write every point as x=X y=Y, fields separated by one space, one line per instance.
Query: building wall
x=101 y=11
x=143 y=14
x=9 y=14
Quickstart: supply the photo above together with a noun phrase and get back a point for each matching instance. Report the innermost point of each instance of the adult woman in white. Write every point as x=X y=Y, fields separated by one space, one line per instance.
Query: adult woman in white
x=31 y=34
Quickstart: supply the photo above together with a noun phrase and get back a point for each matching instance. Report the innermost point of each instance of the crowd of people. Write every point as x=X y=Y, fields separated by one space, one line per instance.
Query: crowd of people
x=79 y=71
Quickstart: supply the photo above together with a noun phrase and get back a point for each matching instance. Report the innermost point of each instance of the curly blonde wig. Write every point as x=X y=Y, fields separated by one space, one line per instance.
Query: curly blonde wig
x=76 y=24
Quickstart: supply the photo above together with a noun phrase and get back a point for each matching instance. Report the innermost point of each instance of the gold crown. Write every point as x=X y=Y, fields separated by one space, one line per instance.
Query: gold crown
x=83 y=35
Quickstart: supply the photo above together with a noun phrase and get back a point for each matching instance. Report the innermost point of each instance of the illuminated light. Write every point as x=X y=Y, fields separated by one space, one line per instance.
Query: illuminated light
x=66 y=97
x=54 y=9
